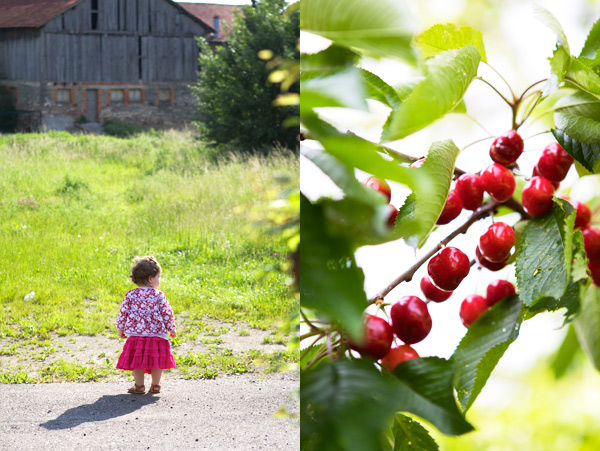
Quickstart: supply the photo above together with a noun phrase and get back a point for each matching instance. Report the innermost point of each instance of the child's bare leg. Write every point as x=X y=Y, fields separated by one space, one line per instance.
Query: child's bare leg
x=138 y=376
x=156 y=375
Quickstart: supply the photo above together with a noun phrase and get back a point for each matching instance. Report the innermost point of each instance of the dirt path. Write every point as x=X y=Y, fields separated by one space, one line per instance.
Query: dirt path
x=227 y=413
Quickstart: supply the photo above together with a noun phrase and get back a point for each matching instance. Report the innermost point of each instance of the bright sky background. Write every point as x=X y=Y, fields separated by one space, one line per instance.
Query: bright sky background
x=520 y=55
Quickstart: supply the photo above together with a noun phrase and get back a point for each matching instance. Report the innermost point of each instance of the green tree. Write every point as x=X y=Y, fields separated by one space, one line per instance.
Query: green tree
x=235 y=96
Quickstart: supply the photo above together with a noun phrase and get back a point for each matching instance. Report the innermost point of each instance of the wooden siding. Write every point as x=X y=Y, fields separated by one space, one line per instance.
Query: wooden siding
x=155 y=17
x=66 y=49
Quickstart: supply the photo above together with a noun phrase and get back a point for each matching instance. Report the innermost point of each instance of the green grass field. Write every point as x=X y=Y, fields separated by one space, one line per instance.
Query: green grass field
x=75 y=211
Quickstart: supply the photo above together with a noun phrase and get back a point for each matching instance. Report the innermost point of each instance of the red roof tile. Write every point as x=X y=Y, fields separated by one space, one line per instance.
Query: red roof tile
x=206 y=12
x=31 y=13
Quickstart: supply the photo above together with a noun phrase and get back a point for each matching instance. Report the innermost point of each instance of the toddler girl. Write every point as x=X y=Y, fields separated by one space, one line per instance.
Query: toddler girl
x=146 y=317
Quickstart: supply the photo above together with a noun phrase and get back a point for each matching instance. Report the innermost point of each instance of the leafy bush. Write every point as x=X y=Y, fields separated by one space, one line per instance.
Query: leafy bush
x=120 y=129
x=235 y=97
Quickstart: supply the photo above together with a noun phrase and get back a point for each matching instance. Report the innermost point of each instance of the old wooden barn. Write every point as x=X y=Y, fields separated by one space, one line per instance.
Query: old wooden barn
x=131 y=60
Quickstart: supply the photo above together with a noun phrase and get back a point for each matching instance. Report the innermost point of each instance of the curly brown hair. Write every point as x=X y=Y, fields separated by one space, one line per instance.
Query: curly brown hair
x=144 y=268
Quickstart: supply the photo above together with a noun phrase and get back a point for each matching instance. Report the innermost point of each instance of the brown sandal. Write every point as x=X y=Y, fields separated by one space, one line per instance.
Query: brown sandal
x=154 y=389
x=137 y=389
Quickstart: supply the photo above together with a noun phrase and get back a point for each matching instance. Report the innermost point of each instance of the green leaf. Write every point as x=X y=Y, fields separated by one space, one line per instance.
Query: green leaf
x=331 y=282
x=559 y=65
x=343 y=88
x=448 y=77
x=592 y=42
x=587 y=326
x=543 y=267
x=565 y=354
x=482 y=346
x=439 y=168
x=332 y=58
x=383 y=28
x=380 y=90
x=440 y=37
x=578 y=115
x=546 y=17
x=584 y=77
x=587 y=155
x=409 y=435
x=430 y=183
x=578 y=284
x=425 y=389
x=347 y=404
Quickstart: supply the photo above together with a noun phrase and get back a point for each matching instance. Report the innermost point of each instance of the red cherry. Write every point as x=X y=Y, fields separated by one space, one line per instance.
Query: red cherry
x=448 y=268
x=591 y=242
x=595 y=269
x=495 y=244
x=433 y=293
x=392 y=216
x=499 y=290
x=536 y=173
x=472 y=308
x=554 y=162
x=378 y=338
x=537 y=196
x=380 y=186
x=410 y=319
x=452 y=208
x=498 y=181
x=583 y=214
x=507 y=148
x=486 y=263
x=468 y=187
x=398 y=355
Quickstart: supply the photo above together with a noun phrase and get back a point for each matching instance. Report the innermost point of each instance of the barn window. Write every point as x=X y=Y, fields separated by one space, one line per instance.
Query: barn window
x=135 y=96
x=116 y=96
x=216 y=25
x=164 y=97
x=63 y=96
x=94 y=14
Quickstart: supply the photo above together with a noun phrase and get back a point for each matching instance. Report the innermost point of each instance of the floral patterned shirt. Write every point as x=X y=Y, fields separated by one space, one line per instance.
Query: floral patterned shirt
x=145 y=312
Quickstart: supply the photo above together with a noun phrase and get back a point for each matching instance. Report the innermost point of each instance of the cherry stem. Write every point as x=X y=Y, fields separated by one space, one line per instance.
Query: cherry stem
x=533 y=105
x=511 y=104
x=475 y=142
x=408 y=158
x=537 y=134
x=307 y=321
x=529 y=87
x=310 y=346
x=481 y=213
x=503 y=79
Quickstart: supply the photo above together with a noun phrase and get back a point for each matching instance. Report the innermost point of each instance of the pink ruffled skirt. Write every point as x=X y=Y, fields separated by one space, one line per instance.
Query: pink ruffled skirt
x=147 y=353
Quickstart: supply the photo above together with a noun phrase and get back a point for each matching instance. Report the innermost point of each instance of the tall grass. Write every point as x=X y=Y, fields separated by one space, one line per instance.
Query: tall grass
x=75 y=211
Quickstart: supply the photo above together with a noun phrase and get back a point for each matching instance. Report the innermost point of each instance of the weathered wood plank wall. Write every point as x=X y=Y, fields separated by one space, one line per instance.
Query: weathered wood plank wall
x=67 y=49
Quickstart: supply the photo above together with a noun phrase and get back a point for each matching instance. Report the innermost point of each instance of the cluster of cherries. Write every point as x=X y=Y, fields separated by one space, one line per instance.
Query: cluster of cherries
x=410 y=319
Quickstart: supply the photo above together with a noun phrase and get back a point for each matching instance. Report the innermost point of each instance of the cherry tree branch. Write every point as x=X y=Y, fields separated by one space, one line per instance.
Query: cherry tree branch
x=481 y=213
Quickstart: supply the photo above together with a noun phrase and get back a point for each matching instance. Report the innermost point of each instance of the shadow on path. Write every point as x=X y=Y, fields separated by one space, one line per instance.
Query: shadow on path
x=105 y=408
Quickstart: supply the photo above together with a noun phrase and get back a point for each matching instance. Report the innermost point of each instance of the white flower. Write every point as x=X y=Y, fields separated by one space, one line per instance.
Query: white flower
x=29 y=296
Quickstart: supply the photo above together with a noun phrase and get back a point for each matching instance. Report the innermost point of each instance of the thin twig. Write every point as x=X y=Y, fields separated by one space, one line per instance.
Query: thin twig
x=408 y=274
x=310 y=346
x=481 y=213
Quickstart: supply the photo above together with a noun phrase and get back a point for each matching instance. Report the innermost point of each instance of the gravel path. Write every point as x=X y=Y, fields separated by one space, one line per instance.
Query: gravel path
x=227 y=413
